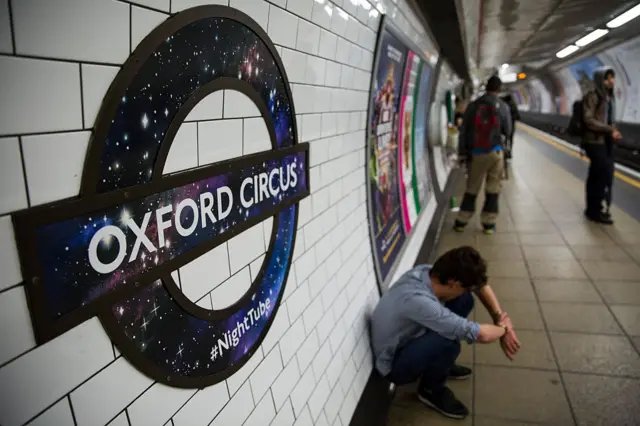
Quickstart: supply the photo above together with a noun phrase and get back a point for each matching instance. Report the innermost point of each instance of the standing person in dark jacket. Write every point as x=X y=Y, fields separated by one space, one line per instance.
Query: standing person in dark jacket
x=515 y=116
x=486 y=122
x=600 y=134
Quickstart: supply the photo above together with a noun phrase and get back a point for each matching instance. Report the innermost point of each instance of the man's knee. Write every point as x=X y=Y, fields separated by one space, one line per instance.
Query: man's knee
x=462 y=305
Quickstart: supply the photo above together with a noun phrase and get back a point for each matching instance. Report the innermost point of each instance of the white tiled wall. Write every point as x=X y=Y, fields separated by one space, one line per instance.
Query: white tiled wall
x=57 y=59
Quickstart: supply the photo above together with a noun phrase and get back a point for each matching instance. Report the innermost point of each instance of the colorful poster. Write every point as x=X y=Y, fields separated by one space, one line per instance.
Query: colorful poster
x=405 y=136
x=385 y=214
x=422 y=184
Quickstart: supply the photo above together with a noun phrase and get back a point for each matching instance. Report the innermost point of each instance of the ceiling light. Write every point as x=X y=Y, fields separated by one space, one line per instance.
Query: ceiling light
x=591 y=37
x=630 y=14
x=505 y=66
x=567 y=51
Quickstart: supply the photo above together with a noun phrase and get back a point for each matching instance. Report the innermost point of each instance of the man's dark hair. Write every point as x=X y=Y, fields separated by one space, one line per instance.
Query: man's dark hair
x=462 y=264
x=494 y=84
x=609 y=73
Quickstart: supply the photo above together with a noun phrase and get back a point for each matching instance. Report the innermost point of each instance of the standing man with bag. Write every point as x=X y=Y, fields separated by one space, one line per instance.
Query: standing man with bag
x=487 y=122
x=600 y=133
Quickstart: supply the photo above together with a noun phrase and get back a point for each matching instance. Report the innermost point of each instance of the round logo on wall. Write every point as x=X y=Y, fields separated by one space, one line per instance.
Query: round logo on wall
x=110 y=252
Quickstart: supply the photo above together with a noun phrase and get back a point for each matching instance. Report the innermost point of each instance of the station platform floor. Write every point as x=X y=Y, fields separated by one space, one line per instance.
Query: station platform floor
x=572 y=289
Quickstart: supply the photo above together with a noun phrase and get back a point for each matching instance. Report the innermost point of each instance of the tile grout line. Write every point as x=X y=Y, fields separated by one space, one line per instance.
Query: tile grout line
x=544 y=322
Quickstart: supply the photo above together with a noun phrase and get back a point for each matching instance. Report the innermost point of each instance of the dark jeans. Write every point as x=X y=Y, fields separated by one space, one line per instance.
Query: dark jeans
x=430 y=356
x=600 y=178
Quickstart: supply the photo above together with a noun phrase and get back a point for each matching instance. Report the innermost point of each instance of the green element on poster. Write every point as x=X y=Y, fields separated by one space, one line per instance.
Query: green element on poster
x=414 y=180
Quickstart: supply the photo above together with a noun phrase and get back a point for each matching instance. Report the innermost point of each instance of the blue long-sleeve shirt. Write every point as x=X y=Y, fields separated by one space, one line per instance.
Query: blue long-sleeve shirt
x=407 y=311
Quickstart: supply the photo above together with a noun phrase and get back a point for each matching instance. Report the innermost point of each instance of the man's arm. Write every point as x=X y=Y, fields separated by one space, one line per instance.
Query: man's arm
x=590 y=106
x=490 y=302
x=436 y=317
x=510 y=343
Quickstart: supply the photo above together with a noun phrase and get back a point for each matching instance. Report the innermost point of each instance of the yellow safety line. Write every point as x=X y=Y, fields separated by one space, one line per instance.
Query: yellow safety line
x=543 y=137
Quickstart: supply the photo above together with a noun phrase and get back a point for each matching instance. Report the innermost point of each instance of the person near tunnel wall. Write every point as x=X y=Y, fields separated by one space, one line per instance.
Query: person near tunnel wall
x=515 y=116
x=599 y=136
x=487 y=121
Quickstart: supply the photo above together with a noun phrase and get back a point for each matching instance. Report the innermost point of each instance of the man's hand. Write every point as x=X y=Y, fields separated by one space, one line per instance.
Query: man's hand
x=616 y=135
x=509 y=342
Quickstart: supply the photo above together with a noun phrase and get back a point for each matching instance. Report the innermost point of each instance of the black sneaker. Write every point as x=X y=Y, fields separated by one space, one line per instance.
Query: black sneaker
x=599 y=218
x=444 y=402
x=459 y=372
x=459 y=226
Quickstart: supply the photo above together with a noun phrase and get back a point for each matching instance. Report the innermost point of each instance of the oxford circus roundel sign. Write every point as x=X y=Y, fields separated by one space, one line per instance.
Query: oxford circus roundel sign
x=110 y=252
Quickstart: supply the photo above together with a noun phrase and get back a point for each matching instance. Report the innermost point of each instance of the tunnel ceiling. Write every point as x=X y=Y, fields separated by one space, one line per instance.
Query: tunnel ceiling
x=530 y=32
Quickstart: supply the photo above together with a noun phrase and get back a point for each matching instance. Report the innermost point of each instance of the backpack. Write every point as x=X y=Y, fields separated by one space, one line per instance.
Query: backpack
x=576 y=126
x=487 y=124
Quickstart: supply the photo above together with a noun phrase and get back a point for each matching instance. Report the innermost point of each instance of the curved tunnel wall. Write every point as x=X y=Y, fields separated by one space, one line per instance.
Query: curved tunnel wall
x=313 y=363
x=546 y=100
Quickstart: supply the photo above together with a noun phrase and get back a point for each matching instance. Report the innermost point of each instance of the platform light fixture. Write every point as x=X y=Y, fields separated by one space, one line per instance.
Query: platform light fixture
x=567 y=51
x=505 y=66
x=627 y=16
x=522 y=76
x=591 y=37
x=511 y=77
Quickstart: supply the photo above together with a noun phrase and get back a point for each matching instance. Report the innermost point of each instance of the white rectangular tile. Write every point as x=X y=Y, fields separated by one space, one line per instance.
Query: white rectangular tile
x=9 y=263
x=33 y=91
x=236 y=381
x=295 y=64
x=343 y=50
x=308 y=37
x=256 y=9
x=236 y=411
x=316 y=70
x=339 y=22
x=332 y=406
x=312 y=127
x=237 y=104
x=120 y=420
x=209 y=108
x=219 y=140
x=302 y=391
x=196 y=277
x=298 y=301
x=305 y=265
x=58 y=415
x=266 y=373
x=291 y=340
x=284 y=384
x=308 y=349
x=162 y=5
x=54 y=180
x=256 y=136
x=283 y=27
x=348 y=407
x=203 y=407
x=178 y=5
x=13 y=195
x=322 y=359
x=96 y=80
x=246 y=247
x=15 y=324
x=72 y=29
x=158 y=404
x=318 y=398
x=230 y=291
x=325 y=325
x=143 y=21
x=42 y=376
x=107 y=387
x=262 y=414
x=6 y=40
x=328 y=44
x=183 y=153
x=321 y=14
x=302 y=8
x=278 y=327
x=353 y=30
x=284 y=417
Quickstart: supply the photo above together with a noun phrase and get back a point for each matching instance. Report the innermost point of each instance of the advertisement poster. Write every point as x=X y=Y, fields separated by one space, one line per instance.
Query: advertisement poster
x=385 y=214
x=405 y=136
x=422 y=184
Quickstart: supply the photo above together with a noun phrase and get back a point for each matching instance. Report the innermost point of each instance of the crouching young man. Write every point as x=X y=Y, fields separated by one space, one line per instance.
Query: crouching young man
x=417 y=326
